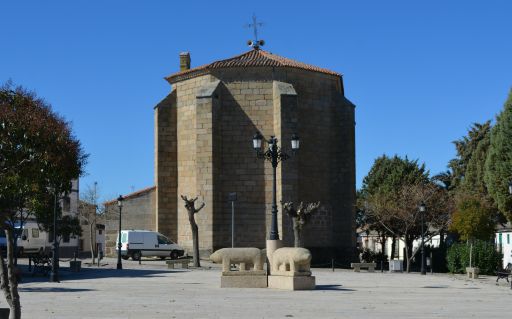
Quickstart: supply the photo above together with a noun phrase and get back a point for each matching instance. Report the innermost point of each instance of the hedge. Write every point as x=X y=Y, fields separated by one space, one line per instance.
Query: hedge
x=485 y=256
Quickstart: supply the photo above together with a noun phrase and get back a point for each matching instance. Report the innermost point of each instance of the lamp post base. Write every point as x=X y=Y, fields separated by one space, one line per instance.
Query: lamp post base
x=54 y=277
x=272 y=245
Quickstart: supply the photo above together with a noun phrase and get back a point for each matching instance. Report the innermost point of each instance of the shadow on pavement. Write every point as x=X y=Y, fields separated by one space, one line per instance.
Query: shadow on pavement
x=53 y=289
x=96 y=273
x=332 y=287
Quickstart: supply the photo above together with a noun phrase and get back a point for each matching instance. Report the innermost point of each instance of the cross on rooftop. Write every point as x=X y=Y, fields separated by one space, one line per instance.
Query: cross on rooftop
x=255 y=24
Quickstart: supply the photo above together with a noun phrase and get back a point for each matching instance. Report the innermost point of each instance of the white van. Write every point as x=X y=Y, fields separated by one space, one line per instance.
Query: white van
x=137 y=243
x=32 y=239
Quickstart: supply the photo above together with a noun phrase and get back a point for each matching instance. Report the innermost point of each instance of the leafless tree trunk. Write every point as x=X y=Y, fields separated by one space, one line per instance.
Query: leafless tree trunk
x=92 y=238
x=297 y=233
x=90 y=212
x=408 y=250
x=190 y=206
x=300 y=217
x=393 y=248
x=8 y=280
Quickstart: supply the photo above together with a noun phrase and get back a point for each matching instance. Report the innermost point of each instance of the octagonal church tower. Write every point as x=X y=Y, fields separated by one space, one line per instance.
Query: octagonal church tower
x=203 y=148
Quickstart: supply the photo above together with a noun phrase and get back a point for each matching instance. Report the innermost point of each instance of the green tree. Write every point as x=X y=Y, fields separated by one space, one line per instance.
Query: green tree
x=498 y=164
x=475 y=212
x=390 y=196
x=472 y=219
x=467 y=167
x=473 y=181
x=39 y=157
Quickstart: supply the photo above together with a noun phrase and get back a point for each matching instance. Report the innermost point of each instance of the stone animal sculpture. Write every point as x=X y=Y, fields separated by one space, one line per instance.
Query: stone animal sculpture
x=245 y=257
x=295 y=261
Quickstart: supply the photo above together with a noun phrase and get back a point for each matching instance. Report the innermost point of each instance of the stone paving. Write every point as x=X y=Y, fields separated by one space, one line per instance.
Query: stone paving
x=151 y=290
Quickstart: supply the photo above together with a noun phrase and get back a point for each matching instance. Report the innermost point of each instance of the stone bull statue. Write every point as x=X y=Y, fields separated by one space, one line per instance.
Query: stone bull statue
x=294 y=261
x=243 y=256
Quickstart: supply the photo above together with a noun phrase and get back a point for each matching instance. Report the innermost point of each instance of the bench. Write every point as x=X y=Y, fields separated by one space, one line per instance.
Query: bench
x=42 y=264
x=357 y=266
x=472 y=272
x=504 y=273
x=184 y=263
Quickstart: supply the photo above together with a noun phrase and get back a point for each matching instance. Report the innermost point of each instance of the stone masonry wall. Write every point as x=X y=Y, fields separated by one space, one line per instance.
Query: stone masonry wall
x=247 y=107
x=166 y=166
x=216 y=117
x=138 y=213
x=187 y=92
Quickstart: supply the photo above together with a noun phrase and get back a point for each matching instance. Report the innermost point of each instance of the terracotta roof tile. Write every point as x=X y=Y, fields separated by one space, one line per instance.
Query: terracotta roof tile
x=252 y=58
x=131 y=195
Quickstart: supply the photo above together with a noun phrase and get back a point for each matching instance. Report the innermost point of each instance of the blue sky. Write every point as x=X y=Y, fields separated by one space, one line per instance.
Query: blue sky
x=420 y=72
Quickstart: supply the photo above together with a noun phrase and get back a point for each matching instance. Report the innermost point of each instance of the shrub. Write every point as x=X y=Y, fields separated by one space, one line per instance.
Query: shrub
x=369 y=256
x=484 y=257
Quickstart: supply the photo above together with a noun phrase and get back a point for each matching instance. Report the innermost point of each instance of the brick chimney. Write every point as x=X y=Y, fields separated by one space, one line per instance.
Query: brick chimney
x=184 y=61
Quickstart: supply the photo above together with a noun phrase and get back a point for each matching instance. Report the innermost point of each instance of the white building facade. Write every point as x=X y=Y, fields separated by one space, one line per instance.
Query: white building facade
x=370 y=240
x=503 y=241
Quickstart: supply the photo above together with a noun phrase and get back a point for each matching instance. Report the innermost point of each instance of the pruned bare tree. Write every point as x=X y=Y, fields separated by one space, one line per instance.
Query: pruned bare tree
x=300 y=218
x=401 y=217
x=89 y=213
x=192 y=210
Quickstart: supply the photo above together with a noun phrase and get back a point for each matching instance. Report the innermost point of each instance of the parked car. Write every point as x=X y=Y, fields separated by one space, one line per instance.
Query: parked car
x=137 y=243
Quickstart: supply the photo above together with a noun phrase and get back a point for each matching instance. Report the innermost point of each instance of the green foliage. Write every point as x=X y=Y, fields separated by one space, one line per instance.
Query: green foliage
x=38 y=152
x=389 y=174
x=43 y=207
x=473 y=219
x=391 y=194
x=382 y=188
x=484 y=256
x=467 y=167
x=370 y=256
x=498 y=165
x=473 y=181
x=69 y=226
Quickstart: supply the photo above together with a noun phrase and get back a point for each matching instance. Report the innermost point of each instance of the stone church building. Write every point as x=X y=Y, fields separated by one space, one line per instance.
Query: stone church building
x=203 y=148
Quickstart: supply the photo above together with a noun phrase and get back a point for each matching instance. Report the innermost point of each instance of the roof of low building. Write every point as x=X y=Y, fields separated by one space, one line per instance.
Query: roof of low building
x=504 y=228
x=132 y=195
x=252 y=58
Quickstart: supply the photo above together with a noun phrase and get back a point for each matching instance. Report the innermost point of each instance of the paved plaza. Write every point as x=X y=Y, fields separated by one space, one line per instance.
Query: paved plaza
x=151 y=290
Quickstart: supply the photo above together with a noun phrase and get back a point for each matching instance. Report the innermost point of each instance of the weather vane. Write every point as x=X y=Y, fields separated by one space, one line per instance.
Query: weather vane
x=255 y=24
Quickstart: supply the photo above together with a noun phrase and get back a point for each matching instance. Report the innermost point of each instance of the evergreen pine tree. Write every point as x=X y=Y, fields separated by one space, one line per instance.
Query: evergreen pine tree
x=498 y=165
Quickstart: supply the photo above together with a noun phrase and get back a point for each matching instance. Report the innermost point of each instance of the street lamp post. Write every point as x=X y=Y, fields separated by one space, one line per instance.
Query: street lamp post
x=422 y=213
x=274 y=155
x=54 y=272
x=120 y=205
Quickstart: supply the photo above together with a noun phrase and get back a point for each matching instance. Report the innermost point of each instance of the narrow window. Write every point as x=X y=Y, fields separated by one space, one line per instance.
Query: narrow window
x=66 y=204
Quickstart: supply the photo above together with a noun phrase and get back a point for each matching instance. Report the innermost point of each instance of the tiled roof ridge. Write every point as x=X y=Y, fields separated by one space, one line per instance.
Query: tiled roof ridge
x=251 y=58
x=131 y=195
